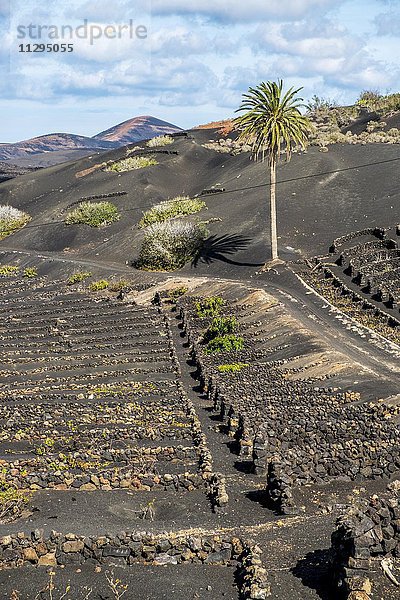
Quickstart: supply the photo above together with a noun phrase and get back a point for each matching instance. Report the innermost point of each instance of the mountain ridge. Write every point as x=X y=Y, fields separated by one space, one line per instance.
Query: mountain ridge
x=145 y=125
x=130 y=131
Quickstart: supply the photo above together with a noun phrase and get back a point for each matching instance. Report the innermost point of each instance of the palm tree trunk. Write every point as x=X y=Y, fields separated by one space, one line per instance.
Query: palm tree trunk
x=272 y=207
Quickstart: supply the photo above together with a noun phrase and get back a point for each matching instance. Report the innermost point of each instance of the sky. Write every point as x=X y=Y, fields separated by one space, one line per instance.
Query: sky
x=183 y=61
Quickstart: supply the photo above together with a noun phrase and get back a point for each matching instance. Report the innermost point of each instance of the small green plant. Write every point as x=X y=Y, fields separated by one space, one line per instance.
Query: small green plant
x=119 y=390
x=97 y=286
x=131 y=164
x=8 y=270
x=169 y=246
x=117 y=286
x=219 y=327
x=176 y=293
x=232 y=368
x=147 y=512
x=12 y=501
x=319 y=104
x=30 y=272
x=160 y=140
x=78 y=277
x=209 y=307
x=180 y=206
x=11 y=220
x=94 y=214
x=49 y=591
x=370 y=99
x=226 y=343
x=116 y=586
x=46 y=447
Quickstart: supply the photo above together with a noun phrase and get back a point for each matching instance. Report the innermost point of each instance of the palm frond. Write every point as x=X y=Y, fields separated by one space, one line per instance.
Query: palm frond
x=271 y=120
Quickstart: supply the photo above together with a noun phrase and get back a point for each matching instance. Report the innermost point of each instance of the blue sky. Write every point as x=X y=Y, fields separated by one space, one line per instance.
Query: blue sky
x=197 y=60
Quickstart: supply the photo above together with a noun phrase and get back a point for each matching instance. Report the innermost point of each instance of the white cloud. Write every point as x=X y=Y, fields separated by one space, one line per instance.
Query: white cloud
x=184 y=41
x=171 y=80
x=201 y=55
x=323 y=49
x=4 y=8
x=388 y=24
x=104 y=11
x=250 y=11
x=308 y=39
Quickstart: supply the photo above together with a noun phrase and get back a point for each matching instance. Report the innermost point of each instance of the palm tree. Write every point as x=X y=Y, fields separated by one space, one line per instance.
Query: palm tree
x=272 y=119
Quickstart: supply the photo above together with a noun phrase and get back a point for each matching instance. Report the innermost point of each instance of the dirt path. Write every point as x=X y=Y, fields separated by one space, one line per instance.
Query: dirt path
x=344 y=334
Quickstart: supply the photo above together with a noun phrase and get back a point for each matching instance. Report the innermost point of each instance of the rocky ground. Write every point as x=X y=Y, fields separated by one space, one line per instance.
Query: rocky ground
x=116 y=446
x=126 y=454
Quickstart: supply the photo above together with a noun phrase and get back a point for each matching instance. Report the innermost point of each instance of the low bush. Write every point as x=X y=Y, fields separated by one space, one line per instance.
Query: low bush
x=219 y=327
x=8 y=270
x=117 y=286
x=11 y=220
x=97 y=286
x=78 y=277
x=177 y=207
x=318 y=103
x=232 y=368
x=226 y=343
x=380 y=103
x=210 y=306
x=12 y=502
x=160 y=140
x=132 y=163
x=170 y=245
x=94 y=214
x=176 y=293
x=30 y=272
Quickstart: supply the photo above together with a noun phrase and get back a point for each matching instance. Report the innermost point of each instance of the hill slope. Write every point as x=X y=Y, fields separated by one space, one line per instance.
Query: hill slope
x=55 y=148
x=51 y=143
x=136 y=130
x=9 y=171
x=312 y=211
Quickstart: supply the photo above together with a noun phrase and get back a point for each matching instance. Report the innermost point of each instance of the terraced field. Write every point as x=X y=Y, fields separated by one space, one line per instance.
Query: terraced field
x=374 y=266
x=91 y=406
x=133 y=458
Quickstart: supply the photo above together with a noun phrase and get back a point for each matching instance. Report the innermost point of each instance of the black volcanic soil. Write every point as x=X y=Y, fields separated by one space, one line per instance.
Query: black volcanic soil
x=312 y=211
x=9 y=170
x=144 y=582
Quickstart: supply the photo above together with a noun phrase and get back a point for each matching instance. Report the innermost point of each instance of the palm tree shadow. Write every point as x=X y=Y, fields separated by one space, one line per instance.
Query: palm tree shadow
x=218 y=247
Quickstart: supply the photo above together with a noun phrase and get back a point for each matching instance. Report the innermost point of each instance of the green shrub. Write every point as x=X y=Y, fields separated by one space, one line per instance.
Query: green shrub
x=232 y=368
x=8 y=270
x=117 y=286
x=12 y=501
x=78 y=277
x=160 y=140
x=226 y=343
x=11 y=220
x=169 y=246
x=176 y=293
x=318 y=103
x=132 y=163
x=209 y=307
x=30 y=272
x=375 y=101
x=219 y=327
x=94 y=214
x=369 y=98
x=177 y=207
x=97 y=286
